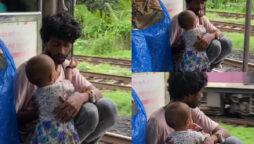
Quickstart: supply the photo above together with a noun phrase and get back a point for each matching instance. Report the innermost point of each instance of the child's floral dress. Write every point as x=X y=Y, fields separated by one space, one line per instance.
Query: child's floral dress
x=48 y=130
x=193 y=60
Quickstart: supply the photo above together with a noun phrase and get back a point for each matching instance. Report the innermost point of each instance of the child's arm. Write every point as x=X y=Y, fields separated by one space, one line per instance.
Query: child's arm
x=196 y=127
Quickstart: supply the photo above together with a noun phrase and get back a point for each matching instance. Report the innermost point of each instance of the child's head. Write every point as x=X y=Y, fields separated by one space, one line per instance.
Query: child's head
x=40 y=70
x=187 y=19
x=178 y=116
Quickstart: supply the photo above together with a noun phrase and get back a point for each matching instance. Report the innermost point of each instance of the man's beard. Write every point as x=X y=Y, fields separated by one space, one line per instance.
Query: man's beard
x=193 y=105
x=58 y=59
x=198 y=13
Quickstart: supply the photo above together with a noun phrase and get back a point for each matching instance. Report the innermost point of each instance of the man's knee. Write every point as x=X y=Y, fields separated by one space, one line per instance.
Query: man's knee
x=232 y=140
x=88 y=117
x=226 y=44
x=214 y=49
x=109 y=110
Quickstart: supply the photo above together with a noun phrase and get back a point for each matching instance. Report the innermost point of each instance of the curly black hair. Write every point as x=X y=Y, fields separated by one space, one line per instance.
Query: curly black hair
x=61 y=25
x=181 y=84
x=188 y=1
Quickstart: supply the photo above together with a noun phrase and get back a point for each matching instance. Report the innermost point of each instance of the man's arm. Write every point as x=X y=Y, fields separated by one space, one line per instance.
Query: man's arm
x=208 y=125
x=151 y=132
x=23 y=93
x=80 y=83
x=72 y=105
x=204 y=41
x=175 y=31
x=214 y=138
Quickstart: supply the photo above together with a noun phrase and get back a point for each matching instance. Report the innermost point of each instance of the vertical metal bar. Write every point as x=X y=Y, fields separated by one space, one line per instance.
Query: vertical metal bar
x=247 y=35
x=40 y=5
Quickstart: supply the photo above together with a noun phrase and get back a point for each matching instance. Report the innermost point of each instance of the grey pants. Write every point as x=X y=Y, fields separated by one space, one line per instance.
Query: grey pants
x=232 y=140
x=94 y=120
x=218 y=50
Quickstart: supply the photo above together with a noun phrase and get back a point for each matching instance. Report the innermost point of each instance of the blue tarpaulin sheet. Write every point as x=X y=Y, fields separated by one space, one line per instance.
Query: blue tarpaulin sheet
x=151 y=51
x=8 y=120
x=138 y=121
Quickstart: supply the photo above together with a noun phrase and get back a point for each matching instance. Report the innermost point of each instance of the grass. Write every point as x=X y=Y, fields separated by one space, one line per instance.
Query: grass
x=238 y=41
x=237 y=38
x=104 y=68
x=243 y=133
x=224 y=10
x=81 y=47
x=122 y=100
x=105 y=35
x=223 y=19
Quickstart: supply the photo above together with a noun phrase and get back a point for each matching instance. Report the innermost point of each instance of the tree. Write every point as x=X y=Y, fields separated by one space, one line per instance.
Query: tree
x=94 y=5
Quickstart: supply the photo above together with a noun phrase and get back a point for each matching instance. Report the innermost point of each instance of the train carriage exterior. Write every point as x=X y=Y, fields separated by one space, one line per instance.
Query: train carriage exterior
x=233 y=91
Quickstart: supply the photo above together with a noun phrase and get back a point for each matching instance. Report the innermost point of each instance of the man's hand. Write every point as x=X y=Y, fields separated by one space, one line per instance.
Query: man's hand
x=70 y=107
x=169 y=141
x=210 y=140
x=178 y=47
x=29 y=115
x=203 y=42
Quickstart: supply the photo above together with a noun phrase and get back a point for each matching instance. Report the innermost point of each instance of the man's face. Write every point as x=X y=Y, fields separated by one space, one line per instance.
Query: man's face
x=58 y=49
x=198 y=7
x=194 y=100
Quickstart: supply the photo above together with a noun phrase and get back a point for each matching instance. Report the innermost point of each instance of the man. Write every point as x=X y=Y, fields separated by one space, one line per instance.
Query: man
x=92 y=120
x=188 y=88
x=216 y=46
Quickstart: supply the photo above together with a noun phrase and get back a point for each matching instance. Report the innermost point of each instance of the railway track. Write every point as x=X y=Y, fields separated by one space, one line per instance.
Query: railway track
x=216 y=115
x=238 y=63
x=226 y=14
x=97 y=60
x=234 y=121
x=108 y=82
x=231 y=27
x=112 y=138
x=229 y=65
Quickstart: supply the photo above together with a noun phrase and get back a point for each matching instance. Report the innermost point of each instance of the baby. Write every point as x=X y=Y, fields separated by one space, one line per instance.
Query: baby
x=193 y=60
x=40 y=71
x=178 y=116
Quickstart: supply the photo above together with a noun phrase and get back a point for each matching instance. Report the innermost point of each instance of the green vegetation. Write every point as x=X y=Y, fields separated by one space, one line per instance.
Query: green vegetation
x=234 y=6
x=82 y=48
x=104 y=68
x=231 y=6
x=243 y=133
x=106 y=29
x=94 y=5
x=216 y=17
x=238 y=41
x=122 y=100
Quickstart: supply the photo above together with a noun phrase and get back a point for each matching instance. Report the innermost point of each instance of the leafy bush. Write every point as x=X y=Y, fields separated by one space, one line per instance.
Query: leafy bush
x=238 y=6
x=99 y=5
x=106 y=33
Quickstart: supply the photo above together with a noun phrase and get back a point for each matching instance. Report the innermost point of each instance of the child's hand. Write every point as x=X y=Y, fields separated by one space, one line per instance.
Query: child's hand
x=73 y=63
x=196 y=127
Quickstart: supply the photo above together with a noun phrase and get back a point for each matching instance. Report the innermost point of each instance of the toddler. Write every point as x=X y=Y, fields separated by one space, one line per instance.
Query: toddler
x=178 y=116
x=40 y=71
x=193 y=60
